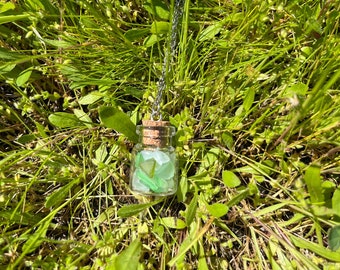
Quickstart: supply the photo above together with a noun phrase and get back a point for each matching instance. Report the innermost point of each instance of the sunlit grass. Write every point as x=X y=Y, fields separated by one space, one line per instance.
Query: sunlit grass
x=253 y=93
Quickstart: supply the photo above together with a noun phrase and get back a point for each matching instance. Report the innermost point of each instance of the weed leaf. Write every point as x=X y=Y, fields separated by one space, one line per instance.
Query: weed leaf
x=35 y=240
x=210 y=32
x=101 y=154
x=248 y=99
x=159 y=27
x=210 y=158
x=24 y=77
x=90 y=98
x=114 y=118
x=59 y=195
x=26 y=138
x=174 y=223
x=334 y=238
x=202 y=263
x=7 y=67
x=238 y=197
x=129 y=258
x=135 y=33
x=218 y=210
x=64 y=120
x=191 y=210
x=336 y=202
x=150 y=40
x=58 y=43
x=296 y=89
x=230 y=179
x=83 y=117
x=269 y=209
x=157 y=8
x=133 y=209
x=182 y=189
x=228 y=139
x=312 y=179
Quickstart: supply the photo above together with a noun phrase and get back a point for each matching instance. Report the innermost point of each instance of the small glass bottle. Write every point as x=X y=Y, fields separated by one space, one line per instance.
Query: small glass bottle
x=154 y=168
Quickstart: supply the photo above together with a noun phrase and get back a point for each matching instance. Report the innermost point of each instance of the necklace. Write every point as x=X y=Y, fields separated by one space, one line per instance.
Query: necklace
x=154 y=166
x=156 y=113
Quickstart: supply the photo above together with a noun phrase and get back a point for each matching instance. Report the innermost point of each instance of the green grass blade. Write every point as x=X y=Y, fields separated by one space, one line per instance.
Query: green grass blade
x=320 y=250
x=13 y=18
x=199 y=234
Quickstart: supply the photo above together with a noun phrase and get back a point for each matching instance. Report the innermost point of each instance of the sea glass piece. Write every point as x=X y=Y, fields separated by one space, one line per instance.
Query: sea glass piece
x=157 y=155
x=161 y=157
x=147 y=181
x=148 y=166
x=166 y=171
x=154 y=170
x=138 y=159
x=137 y=185
x=162 y=185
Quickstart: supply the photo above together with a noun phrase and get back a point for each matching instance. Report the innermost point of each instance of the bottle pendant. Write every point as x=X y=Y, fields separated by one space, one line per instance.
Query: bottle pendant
x=154 y=168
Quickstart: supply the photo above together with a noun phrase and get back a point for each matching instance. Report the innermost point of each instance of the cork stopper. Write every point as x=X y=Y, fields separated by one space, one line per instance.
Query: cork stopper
x=153 y=123
x=156 y=133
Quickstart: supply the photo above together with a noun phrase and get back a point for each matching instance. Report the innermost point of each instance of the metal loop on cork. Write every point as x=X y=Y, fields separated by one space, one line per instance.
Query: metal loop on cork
x=155 y=133
x=156 y=115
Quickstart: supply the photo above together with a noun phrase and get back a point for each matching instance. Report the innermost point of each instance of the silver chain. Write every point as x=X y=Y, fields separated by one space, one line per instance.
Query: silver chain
x=156 y=113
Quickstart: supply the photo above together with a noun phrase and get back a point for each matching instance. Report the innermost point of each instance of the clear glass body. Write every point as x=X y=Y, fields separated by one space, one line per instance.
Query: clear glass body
x=154 y=165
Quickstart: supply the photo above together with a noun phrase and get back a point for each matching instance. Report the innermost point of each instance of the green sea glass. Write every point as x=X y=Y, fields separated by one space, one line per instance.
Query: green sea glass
x=147 y=181
x=148 y=166
x=154 y=170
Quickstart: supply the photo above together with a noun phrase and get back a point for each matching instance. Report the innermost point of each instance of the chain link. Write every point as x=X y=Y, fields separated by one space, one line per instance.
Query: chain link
x=156 y=113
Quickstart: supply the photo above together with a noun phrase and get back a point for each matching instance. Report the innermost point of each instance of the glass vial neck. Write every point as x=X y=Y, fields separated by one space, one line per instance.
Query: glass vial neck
x=155 y=133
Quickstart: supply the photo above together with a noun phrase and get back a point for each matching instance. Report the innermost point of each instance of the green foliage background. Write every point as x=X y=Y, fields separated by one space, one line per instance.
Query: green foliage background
x=253 y=93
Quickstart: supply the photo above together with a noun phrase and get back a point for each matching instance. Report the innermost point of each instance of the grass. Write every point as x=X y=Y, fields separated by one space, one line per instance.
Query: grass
x=254 y=96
